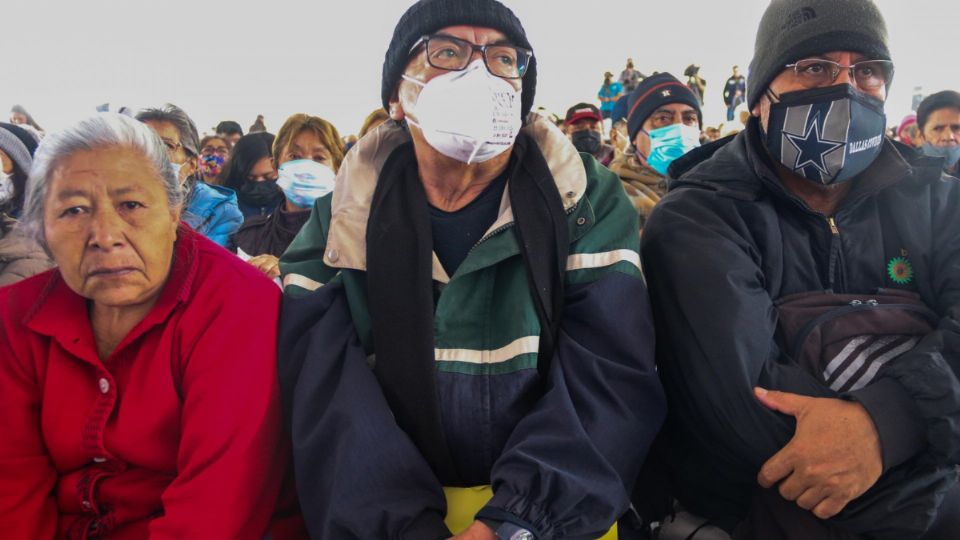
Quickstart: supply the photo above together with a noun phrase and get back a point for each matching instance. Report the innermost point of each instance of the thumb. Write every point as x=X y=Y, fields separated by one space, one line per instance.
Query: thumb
x=783 y=402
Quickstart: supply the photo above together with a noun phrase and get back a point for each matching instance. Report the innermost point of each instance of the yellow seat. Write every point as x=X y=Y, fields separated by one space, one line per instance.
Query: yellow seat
x=464 y=503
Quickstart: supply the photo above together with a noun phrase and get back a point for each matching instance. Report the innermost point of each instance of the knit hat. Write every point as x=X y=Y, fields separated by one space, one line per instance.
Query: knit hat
x=935 y=102
x=908 y=120
x=792 y=30
x=654 y=92
x=19 y=145
x=428 y=16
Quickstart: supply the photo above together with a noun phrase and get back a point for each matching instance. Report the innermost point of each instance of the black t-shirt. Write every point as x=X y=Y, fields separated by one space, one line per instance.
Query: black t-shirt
x=455 y=233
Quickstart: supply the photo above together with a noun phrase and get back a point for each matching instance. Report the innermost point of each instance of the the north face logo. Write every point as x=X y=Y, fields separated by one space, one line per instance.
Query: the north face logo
x=799 y=17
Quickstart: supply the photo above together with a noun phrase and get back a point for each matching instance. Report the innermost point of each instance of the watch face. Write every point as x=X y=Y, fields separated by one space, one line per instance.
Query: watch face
x=522 y=535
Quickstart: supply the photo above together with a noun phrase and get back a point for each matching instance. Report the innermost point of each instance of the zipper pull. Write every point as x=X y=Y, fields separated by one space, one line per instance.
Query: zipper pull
x=833 y=226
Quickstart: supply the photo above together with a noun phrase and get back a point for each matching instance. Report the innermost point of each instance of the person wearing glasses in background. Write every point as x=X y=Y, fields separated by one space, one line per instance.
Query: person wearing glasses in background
x=796 y=413
x=466 y=344
x=210 y=210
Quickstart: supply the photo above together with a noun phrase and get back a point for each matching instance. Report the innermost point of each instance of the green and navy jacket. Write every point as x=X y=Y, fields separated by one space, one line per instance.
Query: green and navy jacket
x=562 y=454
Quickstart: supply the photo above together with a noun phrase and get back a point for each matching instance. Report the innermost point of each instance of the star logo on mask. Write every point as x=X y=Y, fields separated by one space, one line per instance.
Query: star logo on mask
x=665 y=93
x=811 y=148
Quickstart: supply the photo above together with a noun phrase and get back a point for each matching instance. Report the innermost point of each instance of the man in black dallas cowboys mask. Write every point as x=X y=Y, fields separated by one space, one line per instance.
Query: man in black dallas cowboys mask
x=788 y=267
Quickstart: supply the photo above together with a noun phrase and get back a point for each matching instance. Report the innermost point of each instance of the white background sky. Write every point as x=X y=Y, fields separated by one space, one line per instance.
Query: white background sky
x=236 y=59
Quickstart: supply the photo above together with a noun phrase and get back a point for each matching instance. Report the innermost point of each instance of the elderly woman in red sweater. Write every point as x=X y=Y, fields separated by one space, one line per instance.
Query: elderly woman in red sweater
x=137 y=380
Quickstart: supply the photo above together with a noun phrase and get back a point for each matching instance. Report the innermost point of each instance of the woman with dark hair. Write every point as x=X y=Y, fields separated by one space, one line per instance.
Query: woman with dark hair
x=250 y=172
x=20 y=257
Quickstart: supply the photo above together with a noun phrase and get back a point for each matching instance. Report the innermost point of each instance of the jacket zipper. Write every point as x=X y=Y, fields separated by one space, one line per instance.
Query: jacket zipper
x=506 y=226
x=835 y=266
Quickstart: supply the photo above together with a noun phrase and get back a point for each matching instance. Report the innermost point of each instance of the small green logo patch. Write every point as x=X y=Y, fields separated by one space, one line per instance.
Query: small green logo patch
x=900 y=271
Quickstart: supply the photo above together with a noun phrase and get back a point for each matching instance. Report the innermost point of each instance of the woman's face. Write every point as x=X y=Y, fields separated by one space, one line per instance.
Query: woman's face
x=18 y=118
x=262 y=171
x=306 y=145
x=110 y=227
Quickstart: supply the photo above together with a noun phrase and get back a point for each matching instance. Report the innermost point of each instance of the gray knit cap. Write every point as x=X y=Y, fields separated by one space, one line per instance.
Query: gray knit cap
x=791 y=30
x=19 y=145
x=428 y=16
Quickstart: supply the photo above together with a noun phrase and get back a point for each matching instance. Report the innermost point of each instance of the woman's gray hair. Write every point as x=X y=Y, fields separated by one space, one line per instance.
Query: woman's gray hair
x=178 y=118
x=100 y=131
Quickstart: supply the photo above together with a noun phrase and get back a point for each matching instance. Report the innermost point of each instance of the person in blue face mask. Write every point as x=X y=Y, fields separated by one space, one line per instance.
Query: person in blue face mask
x=938 y=118
x=307 y=153
x=798 y=410
x=663 y=122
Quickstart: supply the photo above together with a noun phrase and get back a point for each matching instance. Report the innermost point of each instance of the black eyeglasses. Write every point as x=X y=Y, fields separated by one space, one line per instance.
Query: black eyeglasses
x=453 y=54
x=818 y=72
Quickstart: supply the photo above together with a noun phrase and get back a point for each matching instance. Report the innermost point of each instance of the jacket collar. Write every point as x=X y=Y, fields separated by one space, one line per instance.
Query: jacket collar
x=62 y=314
x=353 y=192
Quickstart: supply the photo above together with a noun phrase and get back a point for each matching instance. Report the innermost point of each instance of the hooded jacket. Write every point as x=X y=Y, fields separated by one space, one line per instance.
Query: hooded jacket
x=212 y=211
x=729 y=240
x=561 y=451
x=20 y=257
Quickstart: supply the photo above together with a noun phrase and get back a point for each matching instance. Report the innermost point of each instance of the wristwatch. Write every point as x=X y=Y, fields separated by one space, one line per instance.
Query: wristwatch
x=510 y=531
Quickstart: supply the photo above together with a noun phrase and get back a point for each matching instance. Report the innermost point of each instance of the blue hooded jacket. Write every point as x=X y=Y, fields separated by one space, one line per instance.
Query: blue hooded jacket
x=213 y=212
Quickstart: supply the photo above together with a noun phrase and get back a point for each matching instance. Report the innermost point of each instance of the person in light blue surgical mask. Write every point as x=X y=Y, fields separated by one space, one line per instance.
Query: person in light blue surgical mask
x=663 y=122
x=307 y=154
x=938 y=118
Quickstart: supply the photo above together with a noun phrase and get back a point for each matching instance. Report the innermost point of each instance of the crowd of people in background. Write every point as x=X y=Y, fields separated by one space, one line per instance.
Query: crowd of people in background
x=433 y=377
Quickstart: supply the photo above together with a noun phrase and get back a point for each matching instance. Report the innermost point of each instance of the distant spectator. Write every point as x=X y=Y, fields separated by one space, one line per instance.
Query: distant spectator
x=630 y=77
x=938 y=118
x=307 y=154
x=585 y=129
x=734 y=92
x=19 y=116
x=211 y=210
x=696 y=83
x=230 y=131
x=609 y=93
x=908 y=133
x=249 y=171
x=258 y=126
x=214 y=150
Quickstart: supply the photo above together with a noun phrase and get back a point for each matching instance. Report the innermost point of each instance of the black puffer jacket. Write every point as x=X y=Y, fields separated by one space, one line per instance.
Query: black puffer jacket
x=728 y=241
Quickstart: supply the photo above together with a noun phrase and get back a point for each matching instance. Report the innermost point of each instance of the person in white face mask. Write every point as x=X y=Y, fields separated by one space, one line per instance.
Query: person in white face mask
x=20 y=257
x=430 y=391
x=307 y=153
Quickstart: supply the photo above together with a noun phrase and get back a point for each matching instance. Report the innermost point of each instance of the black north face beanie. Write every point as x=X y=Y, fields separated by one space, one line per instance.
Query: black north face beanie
x=791 y=30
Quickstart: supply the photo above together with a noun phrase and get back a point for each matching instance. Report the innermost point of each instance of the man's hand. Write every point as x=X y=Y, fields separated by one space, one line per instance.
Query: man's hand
x=833 y=458
x=477 y=531
x=268 y=264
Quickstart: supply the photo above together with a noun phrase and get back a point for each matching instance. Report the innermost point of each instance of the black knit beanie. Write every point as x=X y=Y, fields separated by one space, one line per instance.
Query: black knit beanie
x=654 y=92
x=428 y=16
x=792 y=30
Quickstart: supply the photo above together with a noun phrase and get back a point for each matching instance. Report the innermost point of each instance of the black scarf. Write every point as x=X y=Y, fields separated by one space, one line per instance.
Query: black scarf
x=400 y=284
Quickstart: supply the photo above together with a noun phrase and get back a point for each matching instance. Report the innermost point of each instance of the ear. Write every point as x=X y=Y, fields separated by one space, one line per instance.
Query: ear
x=395 y=109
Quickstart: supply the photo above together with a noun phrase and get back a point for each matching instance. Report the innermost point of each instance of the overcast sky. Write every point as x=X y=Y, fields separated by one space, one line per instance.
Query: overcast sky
x=233 y=60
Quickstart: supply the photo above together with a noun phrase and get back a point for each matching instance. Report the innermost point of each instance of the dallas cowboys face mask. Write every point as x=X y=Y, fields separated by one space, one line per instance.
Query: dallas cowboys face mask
x=826 y=135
